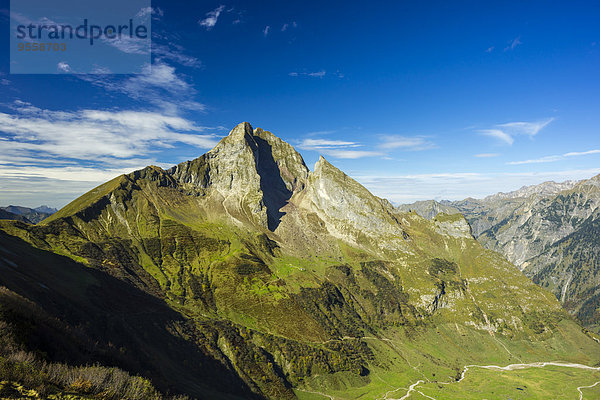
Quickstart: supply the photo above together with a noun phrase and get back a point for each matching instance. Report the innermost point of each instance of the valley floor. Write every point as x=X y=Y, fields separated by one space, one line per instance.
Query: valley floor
x=510 y=372
x=541 y=380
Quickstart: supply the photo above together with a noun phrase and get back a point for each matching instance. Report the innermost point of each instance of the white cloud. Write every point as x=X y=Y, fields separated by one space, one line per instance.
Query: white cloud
x=554 y=158
x=349 y=149
x=489 y=49
x=498 y=134
x=508 y=131
x=173 y=52
x=486 y=155
x=211 y=18
x=326 y=142
x=64 y=67
x=526 y=128
x=129 y=45
x=337 y=148
x=513 y=44
x=158 y=85
x=415 y=143
x=155 y=11
x=408 y=188
x=287 y=26
x=77 y=174
x=351 y=154
x=58 y=155
x=266 y=30
x=582 y=153
x=107 y=137
x=316 y=74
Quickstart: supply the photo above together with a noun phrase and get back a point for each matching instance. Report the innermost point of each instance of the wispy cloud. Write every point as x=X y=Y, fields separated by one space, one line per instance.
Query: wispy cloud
x=58 y=155
x=489 y=49
x=415 y=143
x=156 y=12
x=314 y=143
x=526 y=128
x=166 y=47
x=513 y=44
x=317 y=74
x=109 y=138
x=211 y=18
x=555 y=158
x=158 y=85
x=173 y=52
x=498 y=134
x=460 y=185
x=508 y=131
x=287 y=26
x=337 y=148
x=486 y=155
x=63 y=67
x=354 y=150
x=266 y=30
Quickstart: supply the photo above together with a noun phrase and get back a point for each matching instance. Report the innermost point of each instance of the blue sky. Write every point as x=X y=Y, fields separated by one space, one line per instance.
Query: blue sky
x=416 y=100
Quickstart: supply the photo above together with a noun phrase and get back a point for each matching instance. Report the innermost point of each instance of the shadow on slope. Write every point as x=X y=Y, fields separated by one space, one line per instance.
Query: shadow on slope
x=276 y=194
x=90 y=317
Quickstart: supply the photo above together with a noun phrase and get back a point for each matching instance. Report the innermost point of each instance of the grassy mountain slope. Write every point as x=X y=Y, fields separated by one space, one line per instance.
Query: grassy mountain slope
x=290 y=281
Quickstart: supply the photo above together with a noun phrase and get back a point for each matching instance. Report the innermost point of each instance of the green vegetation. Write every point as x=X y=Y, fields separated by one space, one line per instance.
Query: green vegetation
x=550 y=382
x=234 y=277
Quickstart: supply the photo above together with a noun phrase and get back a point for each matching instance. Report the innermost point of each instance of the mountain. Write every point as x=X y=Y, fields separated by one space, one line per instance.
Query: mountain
x=428 y=208
x=8 y=215
x=541 y=190
x=243 y=274
x=550 y=232
x=25 y=214
x=45 y=209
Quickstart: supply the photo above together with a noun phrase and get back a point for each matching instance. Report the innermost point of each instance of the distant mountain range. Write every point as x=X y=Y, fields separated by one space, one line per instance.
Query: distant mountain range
x=25 y=214
x=550 y=231
x=244 y=275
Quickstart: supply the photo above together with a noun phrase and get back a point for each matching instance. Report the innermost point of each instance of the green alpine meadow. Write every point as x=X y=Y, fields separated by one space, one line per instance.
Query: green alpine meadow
x=243 y=274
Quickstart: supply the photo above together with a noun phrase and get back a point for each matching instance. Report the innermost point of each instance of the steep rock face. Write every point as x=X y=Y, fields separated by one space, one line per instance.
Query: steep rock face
x=350 y=212
x=537 y=222
x=570 y=268
x=541 y=190
x=454 y=225
x=428 y=209
x=250 y=172
x=296 y=279
x=524 y=223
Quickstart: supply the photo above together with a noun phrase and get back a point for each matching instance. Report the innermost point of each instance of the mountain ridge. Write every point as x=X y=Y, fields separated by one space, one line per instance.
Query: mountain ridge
x=293 y=280
x=548 y=231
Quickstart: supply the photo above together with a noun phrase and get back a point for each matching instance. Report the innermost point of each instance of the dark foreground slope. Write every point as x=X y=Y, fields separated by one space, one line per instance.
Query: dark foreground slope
x=243 y=273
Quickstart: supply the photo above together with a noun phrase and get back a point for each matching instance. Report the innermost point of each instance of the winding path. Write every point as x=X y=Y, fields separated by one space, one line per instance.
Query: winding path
x=585 y=387
x=511 y=367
